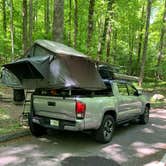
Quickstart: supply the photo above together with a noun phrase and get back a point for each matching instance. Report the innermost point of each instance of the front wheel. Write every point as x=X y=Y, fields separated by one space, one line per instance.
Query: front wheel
x=105 y=132
x=35 y=129
x=144 y=118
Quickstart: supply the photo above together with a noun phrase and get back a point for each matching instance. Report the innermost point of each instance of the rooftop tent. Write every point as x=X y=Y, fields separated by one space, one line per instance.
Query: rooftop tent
x=27 y=68
x=59 y=48
x=64 y=68
x=73 y=71
x=9 y=79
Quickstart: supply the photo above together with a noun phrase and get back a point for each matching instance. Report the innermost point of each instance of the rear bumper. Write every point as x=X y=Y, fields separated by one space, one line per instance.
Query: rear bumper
x=77 y=125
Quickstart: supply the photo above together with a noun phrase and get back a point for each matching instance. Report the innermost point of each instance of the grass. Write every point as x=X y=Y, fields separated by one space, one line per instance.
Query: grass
x=158 y=87
x=158 y=104
x=155 y=86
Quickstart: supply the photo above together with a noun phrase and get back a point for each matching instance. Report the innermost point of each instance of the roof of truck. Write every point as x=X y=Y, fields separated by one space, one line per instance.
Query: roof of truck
x=59 y=48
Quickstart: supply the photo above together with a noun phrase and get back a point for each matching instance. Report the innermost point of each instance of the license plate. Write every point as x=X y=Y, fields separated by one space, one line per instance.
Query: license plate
x=54 y=122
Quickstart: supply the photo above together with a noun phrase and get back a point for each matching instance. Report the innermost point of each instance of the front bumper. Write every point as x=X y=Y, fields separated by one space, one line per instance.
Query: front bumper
x=77 y=125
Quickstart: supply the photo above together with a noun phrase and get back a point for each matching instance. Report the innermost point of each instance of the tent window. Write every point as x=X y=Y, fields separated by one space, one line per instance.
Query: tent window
x=40 y=51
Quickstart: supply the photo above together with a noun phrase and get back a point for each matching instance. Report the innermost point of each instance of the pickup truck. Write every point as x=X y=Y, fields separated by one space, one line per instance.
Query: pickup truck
x=78 y=109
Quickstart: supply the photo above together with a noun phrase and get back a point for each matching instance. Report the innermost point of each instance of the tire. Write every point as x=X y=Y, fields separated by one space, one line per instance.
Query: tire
x=18 y=95
x=35 y=129
x=105 y=132
x=144 y=118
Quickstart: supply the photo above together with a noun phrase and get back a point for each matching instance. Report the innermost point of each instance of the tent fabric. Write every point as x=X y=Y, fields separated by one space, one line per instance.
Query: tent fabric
x=69 y=71
x=65 y=68
x=9 y=79
x=59 y=71
x=59 y=48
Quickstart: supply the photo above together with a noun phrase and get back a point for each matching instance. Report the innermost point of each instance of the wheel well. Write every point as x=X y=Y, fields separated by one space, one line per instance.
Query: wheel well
x=112 y=113
x=148 y=105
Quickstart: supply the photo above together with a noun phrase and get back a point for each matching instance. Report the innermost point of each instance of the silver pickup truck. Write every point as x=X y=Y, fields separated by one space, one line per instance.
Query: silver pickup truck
x=80 y=110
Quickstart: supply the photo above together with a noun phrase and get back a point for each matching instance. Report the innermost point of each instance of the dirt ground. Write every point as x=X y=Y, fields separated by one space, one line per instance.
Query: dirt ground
x=9 y=112
x=7 y=104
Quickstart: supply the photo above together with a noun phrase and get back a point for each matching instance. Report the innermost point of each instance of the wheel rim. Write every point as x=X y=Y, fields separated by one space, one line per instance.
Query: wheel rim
x=108 y=129
x=146 y=115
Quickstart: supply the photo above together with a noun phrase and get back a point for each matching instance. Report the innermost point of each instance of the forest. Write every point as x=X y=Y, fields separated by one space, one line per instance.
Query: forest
x=126 y=33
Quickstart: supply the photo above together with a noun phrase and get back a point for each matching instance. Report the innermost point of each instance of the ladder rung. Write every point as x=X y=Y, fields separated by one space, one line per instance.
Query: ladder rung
x=27 y=101
x=29 y=91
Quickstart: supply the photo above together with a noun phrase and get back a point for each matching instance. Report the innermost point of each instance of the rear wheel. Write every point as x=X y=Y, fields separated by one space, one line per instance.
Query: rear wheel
x=18 y=95
x=35 y=129
x=144 y=118
x=105 y=132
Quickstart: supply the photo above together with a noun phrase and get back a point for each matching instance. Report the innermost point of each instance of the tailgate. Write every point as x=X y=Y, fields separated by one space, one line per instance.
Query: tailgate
x=54 y=107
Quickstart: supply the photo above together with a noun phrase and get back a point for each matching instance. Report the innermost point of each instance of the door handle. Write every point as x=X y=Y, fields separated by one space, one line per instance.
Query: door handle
x=51 y=103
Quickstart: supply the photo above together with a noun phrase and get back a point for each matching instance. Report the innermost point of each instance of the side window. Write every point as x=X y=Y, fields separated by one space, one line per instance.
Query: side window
x=131 y=90
x=122 y=89
x=104 y=74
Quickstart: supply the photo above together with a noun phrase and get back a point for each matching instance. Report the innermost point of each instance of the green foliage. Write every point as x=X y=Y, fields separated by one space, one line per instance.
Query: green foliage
x=125 y=30
x=7 y=123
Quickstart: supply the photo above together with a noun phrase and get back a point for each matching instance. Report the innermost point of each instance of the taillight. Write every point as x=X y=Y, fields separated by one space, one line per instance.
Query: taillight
x=53 y=92
x=80 y=109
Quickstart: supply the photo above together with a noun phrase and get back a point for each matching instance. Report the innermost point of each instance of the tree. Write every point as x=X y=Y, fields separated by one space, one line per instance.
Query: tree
x=106 y=27
x=24 y=12
x=4 y=17
x=161 y=43
x=30 y=21
x=90 y=23
x=149 y=5
x=58 y=21
x=140 y=38
x=46 y=16
x=109 y=31
x=131 y=48
x=12 y=29
x=70 y=18
x=75 y=22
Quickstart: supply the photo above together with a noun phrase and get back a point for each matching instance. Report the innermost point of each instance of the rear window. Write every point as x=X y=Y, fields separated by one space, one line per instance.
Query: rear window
x=73 y=92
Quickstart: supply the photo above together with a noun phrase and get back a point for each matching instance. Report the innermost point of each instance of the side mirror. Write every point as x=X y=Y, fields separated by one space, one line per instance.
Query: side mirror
x=137 y=93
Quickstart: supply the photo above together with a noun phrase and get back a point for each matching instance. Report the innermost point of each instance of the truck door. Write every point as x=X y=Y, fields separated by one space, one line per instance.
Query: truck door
x=136 y=104
x=123 y=101
x=128 y=103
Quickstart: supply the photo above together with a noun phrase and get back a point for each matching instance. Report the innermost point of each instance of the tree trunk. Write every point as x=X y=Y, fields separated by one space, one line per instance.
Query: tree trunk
x=131 y=47
x=58 y=20
x=75 y=22
x=24 y=12
x=109 y=30
x=69 y=32
x=106 y=23
x=161 y=44
x=35 y=12
x=140 y=38
x=90 y=23
x=145 y=42
x=115 y=36
x=12 y=29
x=30 y=21
x=4 y=17
x=46 y=17
x=4 y=26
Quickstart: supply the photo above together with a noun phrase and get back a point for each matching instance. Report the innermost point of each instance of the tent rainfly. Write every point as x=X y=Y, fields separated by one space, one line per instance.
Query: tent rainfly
x=63 y=67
